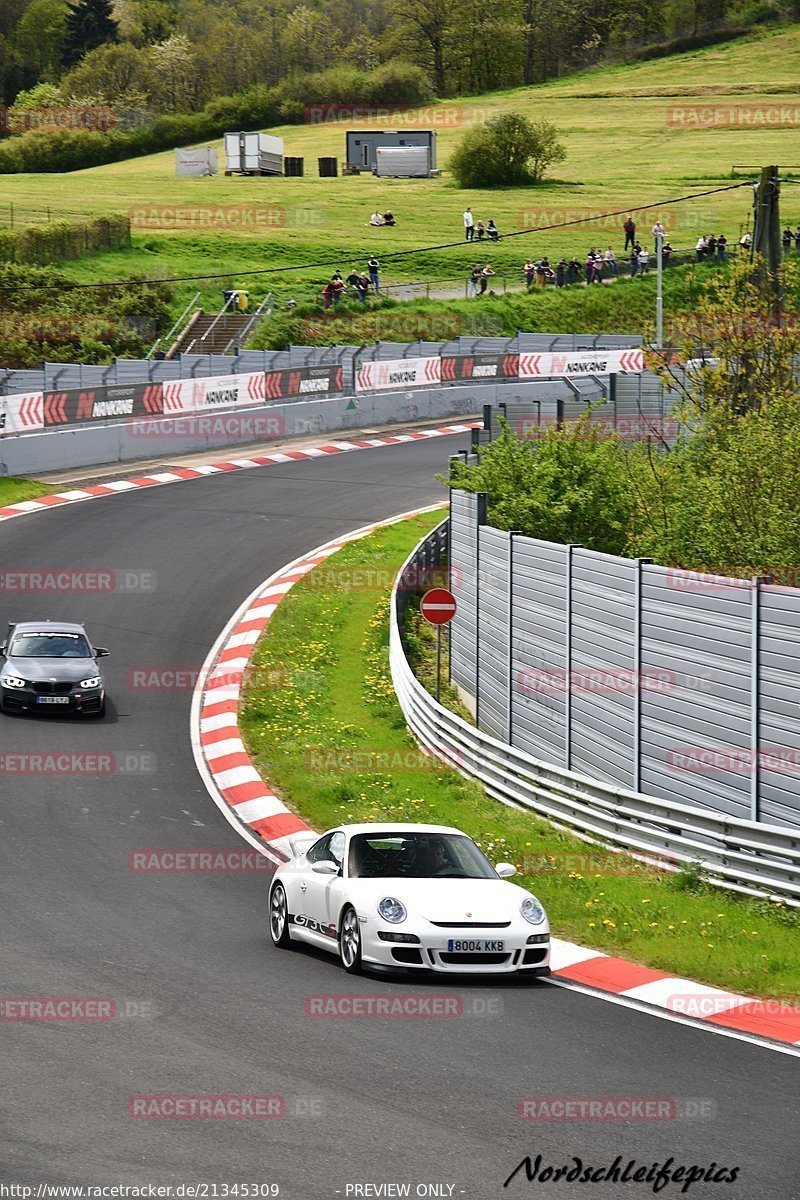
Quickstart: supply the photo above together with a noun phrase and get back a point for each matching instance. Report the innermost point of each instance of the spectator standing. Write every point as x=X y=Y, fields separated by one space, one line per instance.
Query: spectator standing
x=492 y=230
x=573 y=269
x=658 y=232
x=362 y=286
x=561 y=272
x=797 y=239
x=373 y=266
x=630 y=231
x=722 y=243
x=666 y=252
x=486 y=274
x=701 y=247
x=746 y=240
x=529 y=271
x=644 y=260
x=787 y=238
x=542 y=267
x=711 y=247
x=475 y=279
x=327 y=294
x=610 y=261
x=353 y=278
x=469 y=225
x=634 y=261
x=338 y=285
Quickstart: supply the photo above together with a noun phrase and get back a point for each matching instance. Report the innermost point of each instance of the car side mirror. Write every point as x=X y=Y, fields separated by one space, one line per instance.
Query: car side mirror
x=101 y=653
x=326 y=867
x=506 y=870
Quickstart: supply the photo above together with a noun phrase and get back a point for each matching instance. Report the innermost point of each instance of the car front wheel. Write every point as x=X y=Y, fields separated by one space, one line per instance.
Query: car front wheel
x=350 y=942
x=279 y=918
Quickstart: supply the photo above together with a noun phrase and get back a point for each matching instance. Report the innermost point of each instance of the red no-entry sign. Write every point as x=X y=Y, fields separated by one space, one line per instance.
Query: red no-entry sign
x=438 y=606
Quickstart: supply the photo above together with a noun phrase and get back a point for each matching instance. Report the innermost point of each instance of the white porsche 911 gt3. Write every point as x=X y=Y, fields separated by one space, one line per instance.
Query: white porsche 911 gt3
x=418 y=897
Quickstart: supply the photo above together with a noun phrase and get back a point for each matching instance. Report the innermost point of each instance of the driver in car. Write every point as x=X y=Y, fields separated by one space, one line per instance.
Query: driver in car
x=431 y=858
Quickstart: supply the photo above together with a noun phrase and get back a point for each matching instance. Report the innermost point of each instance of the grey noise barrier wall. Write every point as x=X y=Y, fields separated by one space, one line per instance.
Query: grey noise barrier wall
x=681 y=685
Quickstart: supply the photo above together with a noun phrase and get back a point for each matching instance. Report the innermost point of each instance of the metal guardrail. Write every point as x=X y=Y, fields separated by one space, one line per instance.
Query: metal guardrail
x=744 y=856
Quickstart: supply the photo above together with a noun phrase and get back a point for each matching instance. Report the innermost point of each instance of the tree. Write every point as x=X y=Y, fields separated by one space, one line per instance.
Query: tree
x=433 y=24
x=507 y=151
x=89 y=24
x=113 y=74
x=39 y=36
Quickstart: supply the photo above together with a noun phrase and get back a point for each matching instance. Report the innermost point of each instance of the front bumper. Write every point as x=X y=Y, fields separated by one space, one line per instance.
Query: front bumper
x=519 y=954
x=82 y=700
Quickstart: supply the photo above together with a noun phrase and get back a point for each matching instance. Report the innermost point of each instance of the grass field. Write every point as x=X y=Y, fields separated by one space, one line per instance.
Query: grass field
x=622 y=152
x=322 y=722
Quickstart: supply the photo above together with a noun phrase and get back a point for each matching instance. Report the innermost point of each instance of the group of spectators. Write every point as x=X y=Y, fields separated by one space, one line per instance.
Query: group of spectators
x=476 y=229
x=359 y=282
x=790 y=238
x=379 y=218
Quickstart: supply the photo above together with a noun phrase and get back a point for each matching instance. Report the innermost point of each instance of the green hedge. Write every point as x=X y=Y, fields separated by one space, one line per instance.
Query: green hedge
x=63 y=240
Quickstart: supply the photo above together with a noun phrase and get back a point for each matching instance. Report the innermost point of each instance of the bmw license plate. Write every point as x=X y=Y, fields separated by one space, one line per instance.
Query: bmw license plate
x=474 y=946
x=52 y=699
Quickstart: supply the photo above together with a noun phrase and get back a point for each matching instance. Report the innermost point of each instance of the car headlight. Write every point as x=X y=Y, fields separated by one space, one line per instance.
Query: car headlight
x=12 y=681
x=392 y=910
x=532 y=910
x=95 y=681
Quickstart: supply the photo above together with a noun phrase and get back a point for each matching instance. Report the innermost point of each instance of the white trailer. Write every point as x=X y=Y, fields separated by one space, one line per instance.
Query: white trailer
x=406 y=162
x=253 y=154
x=197 y=162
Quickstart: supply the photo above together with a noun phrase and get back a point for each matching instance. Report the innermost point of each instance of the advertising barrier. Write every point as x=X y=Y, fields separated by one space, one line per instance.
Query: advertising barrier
x=386 y=374
x=581 y=362
x=21 y=414
x=480 y=366
x=30 y=412
x=81 y=405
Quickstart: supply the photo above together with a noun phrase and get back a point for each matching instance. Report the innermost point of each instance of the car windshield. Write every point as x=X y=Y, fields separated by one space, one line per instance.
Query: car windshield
x=50 y=645
x=417 y=856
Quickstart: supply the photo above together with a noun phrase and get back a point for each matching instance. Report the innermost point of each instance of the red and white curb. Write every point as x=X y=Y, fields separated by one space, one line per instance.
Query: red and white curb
x=180 y=474
x=262 y=818
x=227 y=770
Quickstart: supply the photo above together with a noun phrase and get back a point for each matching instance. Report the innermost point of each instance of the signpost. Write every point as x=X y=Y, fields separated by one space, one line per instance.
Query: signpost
x=438 y=607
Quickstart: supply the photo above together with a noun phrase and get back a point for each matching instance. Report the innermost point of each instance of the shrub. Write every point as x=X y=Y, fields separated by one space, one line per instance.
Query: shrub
x=507 y=151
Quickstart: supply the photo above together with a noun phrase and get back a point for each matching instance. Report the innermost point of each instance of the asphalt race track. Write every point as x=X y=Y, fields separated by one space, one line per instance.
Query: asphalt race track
x=205 y=1005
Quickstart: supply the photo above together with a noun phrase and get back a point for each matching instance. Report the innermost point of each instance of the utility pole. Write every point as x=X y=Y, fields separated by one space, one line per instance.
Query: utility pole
x=766 y=244
x=659 y=290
